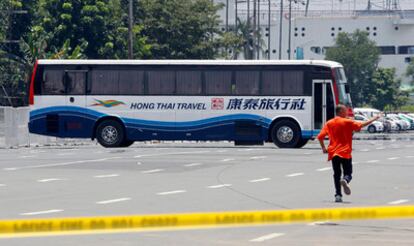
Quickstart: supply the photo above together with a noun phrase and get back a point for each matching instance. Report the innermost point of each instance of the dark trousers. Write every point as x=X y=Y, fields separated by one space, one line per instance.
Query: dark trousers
x=339 y=164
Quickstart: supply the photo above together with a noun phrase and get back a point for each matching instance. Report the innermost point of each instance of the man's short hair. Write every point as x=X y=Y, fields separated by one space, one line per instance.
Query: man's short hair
x=339 y=108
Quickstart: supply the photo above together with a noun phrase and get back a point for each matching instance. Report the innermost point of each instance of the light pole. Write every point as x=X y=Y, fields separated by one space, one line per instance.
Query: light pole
x=280 y=29
x=130 y=37
x=227 y=15
x=290 y=29
x=268 y=31
x=258 y=30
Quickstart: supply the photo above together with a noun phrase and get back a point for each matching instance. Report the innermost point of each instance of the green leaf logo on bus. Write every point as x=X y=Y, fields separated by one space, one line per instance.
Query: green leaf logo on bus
x=107 y=103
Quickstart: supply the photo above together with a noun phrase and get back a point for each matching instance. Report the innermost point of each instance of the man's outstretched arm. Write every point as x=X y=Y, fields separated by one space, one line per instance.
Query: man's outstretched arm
x=365 y=123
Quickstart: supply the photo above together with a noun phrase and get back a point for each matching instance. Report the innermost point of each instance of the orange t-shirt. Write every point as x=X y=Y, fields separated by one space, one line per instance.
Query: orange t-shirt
x=339 y=130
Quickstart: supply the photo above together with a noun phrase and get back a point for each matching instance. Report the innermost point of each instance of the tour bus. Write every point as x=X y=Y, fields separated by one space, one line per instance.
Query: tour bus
x=118 y=102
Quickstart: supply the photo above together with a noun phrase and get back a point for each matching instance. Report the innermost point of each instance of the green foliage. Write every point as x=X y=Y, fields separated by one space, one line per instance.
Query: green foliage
x=359 y=56
x=232 y=44
x=387 y=93
x=180 y=29
x=410 y=71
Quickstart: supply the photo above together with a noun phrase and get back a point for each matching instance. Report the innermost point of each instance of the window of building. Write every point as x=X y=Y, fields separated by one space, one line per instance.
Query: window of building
x=316 y=49
x=387 y=50
x=408 y=49
x=218 y=82
x=161 y=82
x=189 y=82
x=53 y=82
x=247 y=82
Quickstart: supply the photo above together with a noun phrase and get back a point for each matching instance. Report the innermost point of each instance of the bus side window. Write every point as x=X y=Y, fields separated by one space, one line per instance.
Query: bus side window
x=76 y=82
x=218 y=82
x=161 y=82
x=189 y=82
x=293 y=82
x=247 y=82
x=272 y=83
x=104 y=82
x=131 y=82
x=53 y=82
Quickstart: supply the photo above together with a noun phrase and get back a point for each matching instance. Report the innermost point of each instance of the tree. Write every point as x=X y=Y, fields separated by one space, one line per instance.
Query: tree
x=387 y=91
x=410 y=71
x=360 y=57
x=232 y=44
x=181 y=29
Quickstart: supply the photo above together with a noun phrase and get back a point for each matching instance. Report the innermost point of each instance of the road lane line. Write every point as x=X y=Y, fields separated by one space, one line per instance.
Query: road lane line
x=324 y=169
x=267 y=237
x=193 y=164
x=398 y=202
x=409 y=156
x=27 y=156
x=173 y=153
x=60 y=164
x=228 y=159
x=170 y=192
x=152 y=171
x=114 y=200
x=245 y=150
x=221 y=151
x=106 y=175
x=393 y=158
x=42 y=212
x=218 y=186
x=257 y=157
x=364 y=150
x=372 y=161
x=1 y=185
x=294 y=174
x=61 y=154
x=49 y=180
x=379 y=148
x=259 y=180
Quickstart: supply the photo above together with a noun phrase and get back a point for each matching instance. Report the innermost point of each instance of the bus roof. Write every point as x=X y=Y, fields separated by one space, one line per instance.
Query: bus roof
x=191 y=62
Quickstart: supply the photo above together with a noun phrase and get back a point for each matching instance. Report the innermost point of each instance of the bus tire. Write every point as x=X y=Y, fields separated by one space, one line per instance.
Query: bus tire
x=286 y=134
x=302 y=142
x=127 y=143
x=110 y=133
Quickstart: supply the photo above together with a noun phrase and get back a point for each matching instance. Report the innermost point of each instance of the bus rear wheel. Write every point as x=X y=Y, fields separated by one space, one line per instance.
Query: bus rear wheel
x=110 y=134
x=286 y=134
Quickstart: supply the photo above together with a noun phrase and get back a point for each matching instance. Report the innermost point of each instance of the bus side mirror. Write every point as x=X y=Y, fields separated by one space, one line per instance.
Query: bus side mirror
x=347 y=89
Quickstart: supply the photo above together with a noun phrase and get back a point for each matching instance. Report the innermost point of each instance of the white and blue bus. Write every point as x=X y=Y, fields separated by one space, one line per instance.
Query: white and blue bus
x=118 y=102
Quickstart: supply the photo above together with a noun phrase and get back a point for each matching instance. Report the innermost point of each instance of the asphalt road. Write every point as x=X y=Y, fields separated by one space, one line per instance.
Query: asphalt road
x=200 y=177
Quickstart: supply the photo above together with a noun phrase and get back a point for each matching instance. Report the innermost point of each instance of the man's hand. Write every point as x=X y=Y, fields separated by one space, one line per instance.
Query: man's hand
x=324 y=150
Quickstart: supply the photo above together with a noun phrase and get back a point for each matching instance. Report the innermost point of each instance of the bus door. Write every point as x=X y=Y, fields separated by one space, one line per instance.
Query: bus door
x=323 y=103
x=75 y=87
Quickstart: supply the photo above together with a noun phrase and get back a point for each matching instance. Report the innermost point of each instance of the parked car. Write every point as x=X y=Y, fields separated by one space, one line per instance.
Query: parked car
x=408 y=119
x=368 y=112
x=406 y=124
x=374 y=127
x=401 y=125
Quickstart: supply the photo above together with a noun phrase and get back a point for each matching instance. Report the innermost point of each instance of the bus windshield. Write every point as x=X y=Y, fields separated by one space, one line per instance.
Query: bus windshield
x=340 y=77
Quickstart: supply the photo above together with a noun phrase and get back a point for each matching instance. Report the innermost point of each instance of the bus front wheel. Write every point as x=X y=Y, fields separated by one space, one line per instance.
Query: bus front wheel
x=110 y=134
x=286 y=134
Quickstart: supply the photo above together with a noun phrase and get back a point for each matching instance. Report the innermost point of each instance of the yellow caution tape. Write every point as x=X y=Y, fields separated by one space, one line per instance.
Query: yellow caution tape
x=56 y=226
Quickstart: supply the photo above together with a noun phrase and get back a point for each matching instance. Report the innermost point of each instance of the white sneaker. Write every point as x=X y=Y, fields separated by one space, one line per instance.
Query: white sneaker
x=338 y=198
x=345 y=185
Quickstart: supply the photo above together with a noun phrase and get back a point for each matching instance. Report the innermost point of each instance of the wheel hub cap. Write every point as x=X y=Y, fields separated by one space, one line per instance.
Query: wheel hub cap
x=285 y=134
x=110 y=134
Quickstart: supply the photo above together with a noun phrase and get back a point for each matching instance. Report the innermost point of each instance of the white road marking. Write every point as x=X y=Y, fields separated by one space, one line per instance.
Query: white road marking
x=42 y=212
x=98 y=152
x=228 y=159
x=171 y=192
x=27 y=156
x=409 y=156
x=218 y=186
x=139 y=163
x=307 y=153
x=173 y=153
x=65 y=154
x=317 y=223
x=49 y=180
x=1 y=185
x=398 y=202
x=114 y=200
x=245 y=150
x=152 y=171
x=193 y=164
x=372 y=161
x=60 y=164
x=259 y=180
x=380 y=148
x=324 y=169
x=267 y=237
x=393 y=158
x=257 y=157
x=106 y=175
x=221 y=151
x=295 y=174
x=364 y=150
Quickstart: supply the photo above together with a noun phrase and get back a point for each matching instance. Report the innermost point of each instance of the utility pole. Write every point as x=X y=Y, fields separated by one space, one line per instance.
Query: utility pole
x=280 y=29
x=254 y=28
x=307 y=8
x=268 y=31
x=258 y=30
x=227 y=15
x=235 y=15
x=130 y=37
x=290 y=29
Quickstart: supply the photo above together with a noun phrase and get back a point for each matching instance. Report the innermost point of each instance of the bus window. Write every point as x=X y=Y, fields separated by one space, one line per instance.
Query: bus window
x=104 y=82
x=247 y=82
x=218 y=82
x=161 y=82
x=272 y=83
x=131 y=82
x=53 y=82
x=189 y=82
x=76 y=82
x=293 y=83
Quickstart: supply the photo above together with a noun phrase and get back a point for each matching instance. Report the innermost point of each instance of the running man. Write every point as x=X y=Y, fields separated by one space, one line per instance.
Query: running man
x=340 y=130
